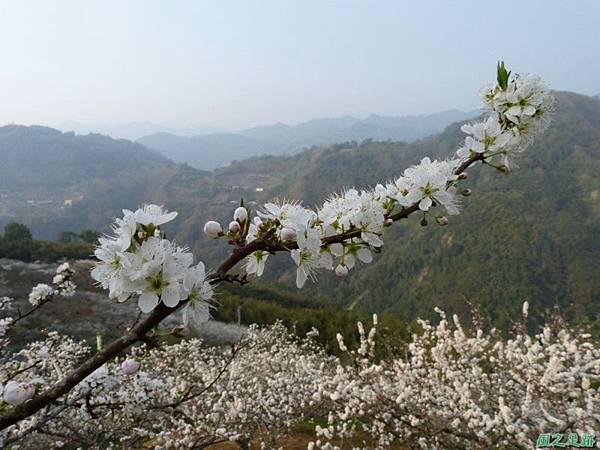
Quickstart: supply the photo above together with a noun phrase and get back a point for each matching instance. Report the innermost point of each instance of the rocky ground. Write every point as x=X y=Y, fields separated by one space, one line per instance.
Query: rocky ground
x=88 y=313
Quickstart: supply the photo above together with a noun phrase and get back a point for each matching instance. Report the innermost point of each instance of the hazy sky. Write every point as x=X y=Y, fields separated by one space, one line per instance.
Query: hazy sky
x=243 y=63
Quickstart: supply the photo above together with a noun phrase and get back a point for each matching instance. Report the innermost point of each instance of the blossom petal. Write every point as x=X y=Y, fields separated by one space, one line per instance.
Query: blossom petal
x=171 y=295
x=425 y=204
x=148 y=301
x=300 y=277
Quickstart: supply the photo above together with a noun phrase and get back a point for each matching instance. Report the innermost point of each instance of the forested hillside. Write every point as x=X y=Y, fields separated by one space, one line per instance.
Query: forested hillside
x=38 y=156
x=220 y=149
x=533 y=235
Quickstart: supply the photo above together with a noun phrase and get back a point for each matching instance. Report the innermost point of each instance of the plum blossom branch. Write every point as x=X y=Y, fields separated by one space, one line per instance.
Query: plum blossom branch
x=43 y=293
x=138 y=262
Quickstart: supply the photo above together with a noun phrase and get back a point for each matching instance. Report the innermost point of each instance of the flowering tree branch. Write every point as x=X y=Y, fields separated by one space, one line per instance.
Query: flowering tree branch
x=140 y=263
x=269 y=244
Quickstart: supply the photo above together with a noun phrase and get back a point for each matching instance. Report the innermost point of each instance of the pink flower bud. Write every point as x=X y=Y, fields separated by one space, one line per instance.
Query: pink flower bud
x=130 y=366
x=234 y=227
x=442 y=220
x=16 y=393
x=240 y=214
x=212 y=229
x=288 y=234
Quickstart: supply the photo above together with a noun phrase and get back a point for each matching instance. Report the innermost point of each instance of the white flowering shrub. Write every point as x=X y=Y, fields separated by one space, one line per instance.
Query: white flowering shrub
x=450 y=389
x=184 y=395
x=453 y=388
x=466 y=389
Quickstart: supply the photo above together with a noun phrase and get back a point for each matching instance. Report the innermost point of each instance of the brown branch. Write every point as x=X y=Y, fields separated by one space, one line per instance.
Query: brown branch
x=138 y=332
x=189 y=395
x=22 y=316
x=61 y=388
x=20 y=371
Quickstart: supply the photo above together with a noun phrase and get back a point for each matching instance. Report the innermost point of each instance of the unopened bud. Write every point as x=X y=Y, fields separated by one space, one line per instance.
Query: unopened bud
x=462 y=176
x=213 y=229
x=234 y=227
x=288 y=234
x=503 y=169
x=240 y=214
x=423 y=222
x=388 y=222
x=442 y=220
x=525 y=309
x=130 y=366
x=466 y=192
x=16 y=393
x=341 y=270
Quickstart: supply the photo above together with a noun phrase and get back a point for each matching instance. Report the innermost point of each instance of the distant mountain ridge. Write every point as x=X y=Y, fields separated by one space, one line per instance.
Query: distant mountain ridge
x=37 y=156
x=214 y=150
x=207 y=151
x=132 y=130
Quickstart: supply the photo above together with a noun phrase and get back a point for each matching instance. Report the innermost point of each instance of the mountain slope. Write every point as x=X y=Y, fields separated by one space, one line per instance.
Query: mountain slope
x=533 y=235
x=219 y=149
x=207 y=151
x=38 y=156
x=330 y=130
x=55 y=181
x=133 y=130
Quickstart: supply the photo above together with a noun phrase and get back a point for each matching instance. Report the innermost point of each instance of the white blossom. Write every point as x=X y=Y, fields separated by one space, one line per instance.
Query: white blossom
x=153 y=214
x=213 y=229
x=40 y=293
x=240 y=214
x=255 y=263
x=309 y=257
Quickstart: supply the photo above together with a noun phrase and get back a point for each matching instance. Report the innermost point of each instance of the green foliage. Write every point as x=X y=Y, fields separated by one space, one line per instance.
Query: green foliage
x=67 y=236
x=266 y=304
x=87 y=236
x=17 y=243
x=50 y=251
x=17 y=232
x=503 y=75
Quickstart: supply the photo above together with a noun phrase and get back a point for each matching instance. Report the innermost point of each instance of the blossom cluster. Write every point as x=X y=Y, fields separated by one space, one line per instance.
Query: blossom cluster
x=173 y=396
x=518 y=109
x=5 y=322
x=449 y=387
x=14 y=392
x=459 y=388
x=63 y=285
x=139 y=262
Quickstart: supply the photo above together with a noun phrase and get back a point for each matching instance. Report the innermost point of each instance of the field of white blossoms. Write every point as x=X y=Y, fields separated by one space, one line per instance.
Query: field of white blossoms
x=449 y=387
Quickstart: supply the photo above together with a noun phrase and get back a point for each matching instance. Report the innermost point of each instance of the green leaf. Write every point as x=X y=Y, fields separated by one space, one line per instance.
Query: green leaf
x=503 y=75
